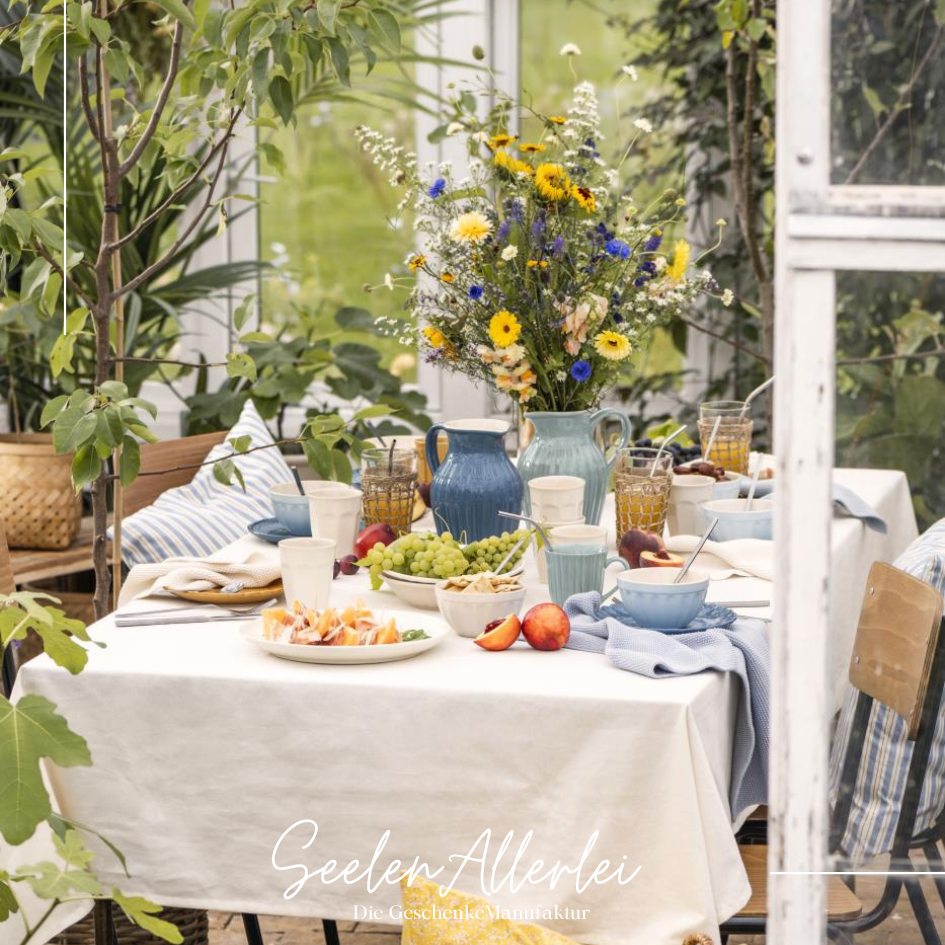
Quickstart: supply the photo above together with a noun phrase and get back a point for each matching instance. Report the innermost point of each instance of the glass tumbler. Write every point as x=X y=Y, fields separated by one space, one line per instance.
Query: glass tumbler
x=732 y=444
x=388 y=484
x=641 y=485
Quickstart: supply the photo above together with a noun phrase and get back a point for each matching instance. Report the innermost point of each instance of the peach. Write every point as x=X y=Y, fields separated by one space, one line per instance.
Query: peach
x=500 y=634
x=660 y=559
x=635 y=542
x=546 y=627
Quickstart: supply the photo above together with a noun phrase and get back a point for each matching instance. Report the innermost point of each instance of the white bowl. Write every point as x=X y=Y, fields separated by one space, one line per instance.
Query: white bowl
x=735 y=522
x=728 y=488
x=417 y=592
x=468 y=614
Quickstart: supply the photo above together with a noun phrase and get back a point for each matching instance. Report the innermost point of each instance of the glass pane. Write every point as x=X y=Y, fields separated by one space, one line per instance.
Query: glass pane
x=888 y=73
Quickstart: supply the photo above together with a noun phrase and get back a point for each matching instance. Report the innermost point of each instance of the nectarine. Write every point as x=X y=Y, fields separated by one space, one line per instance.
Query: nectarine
x=546 y=627
x=660 y=559
x=635 y=542
x=500 y=634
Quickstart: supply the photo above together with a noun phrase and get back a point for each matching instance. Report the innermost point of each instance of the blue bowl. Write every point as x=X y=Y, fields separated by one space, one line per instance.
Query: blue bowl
x=728 y=488
x=735 y=522
x=651 y=598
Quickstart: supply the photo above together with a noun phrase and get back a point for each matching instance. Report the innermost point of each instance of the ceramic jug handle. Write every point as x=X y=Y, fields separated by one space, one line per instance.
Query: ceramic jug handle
x=433 y=453
x=625 y=430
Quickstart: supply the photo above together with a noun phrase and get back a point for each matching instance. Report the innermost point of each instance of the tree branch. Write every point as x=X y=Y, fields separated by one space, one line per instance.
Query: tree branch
x=159 y=105
x=66 y=278
x=157 y=266
x=86 y=98
x=729 y=341
x=896 y=110
x=936 y=352
x=171 y=361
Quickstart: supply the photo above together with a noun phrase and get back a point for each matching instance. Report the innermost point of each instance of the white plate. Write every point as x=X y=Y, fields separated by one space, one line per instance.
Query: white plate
x=435 y=627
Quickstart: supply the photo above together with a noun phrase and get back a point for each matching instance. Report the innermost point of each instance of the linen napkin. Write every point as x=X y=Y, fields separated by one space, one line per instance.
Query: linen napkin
x=741 y=649
x=254 y=569
x=743 y=557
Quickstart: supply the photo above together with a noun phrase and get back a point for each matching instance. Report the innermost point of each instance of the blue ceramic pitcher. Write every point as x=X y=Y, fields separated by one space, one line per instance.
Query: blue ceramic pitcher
x=564 y=445
x=475 y=481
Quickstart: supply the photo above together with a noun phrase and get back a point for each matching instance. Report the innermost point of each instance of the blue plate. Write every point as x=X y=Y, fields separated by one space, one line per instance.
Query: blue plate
x=269 y=529
x=711 y=617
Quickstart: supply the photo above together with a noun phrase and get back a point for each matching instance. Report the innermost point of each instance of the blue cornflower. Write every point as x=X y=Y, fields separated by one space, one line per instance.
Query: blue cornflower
x=653 y=243
x=538 y=227
x=514 y=210
x=439 y=185
x=580 y=371
x=557 y=248
x=502 y=234
x=475 y=292
x=617 y=247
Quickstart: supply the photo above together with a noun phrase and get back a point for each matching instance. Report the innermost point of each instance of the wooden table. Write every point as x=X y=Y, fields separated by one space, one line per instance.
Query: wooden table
x=37 y=564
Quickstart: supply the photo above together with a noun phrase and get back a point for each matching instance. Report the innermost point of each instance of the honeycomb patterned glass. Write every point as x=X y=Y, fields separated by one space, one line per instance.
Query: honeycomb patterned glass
x=641 y=485
x=731 y=444
x=388 y=484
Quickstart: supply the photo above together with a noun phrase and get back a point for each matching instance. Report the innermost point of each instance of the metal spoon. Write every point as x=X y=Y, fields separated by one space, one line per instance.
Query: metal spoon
x=234 y=587
x=511 y=554
x=531 y=521
x=758 y=390
x=752 y=487
x=695 y=551
x=663 y=445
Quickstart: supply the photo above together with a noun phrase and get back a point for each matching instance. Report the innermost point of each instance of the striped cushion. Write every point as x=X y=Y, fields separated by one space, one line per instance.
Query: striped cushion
x=887 y=751
x=203 y=516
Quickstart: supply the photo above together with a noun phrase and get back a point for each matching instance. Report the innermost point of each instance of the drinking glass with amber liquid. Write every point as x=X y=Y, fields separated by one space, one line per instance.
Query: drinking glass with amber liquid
x=388 y=484
x=641 y=486
x=731 y=446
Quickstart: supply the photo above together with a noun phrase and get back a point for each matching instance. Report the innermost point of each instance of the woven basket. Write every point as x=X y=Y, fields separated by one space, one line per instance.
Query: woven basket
x=38 y=505
x=192 y=923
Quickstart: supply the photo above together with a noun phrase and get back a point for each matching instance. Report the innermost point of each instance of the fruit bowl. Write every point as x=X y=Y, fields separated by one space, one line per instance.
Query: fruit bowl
x=420 y=591
x=468 y=614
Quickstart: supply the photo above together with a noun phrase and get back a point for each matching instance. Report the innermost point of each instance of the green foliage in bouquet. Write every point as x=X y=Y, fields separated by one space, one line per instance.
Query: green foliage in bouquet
x=538 y=273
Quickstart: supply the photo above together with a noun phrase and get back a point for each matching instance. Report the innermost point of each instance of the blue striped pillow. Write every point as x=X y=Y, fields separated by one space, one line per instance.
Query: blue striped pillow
x=887 y=752
x=200 y=518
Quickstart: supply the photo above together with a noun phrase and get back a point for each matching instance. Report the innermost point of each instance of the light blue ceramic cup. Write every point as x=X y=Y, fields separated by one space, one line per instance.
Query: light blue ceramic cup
x=577 y=569
x=735 y=522
x=654 y=602
x=728 y=488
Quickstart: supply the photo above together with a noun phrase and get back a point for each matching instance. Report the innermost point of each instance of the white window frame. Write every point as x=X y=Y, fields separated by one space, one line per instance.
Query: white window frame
x=820 y=229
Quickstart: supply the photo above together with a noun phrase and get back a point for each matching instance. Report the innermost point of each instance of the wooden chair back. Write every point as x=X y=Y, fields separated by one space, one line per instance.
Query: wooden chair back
x=896 y=641
x=168 y=455
x=7 y=584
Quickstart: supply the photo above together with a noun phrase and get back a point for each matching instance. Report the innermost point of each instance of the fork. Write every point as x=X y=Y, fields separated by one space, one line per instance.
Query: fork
x=222 y=612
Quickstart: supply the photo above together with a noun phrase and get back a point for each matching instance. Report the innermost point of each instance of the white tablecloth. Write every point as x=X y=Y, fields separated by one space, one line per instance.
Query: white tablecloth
x=206 y=750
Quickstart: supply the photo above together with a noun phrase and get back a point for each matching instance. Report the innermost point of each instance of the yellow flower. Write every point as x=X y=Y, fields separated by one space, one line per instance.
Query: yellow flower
x=511 y=164
x=418 y=262
x=532 y=263
x=434 y=336
x=500 y=141
x=677 y=268
x=557 y=119
x=584 y=198
x=470 y=227
x=552 y=182
x=531 y=148
x=611 y=345
x=504 y=329
x=447 y=277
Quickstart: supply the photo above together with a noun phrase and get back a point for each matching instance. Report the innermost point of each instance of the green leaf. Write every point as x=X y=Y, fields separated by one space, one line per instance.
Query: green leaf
x=873 y=100
x=86 y=465
x=327 y=14
x=375 y=410
x=240 y=365
x=342 y=466
x=31 y=730
x=130 y=463
x=385 y=28
x=63 y=351
x=51 y=410
x=225 y=471
x=178 y=11
x=339 y=60
x=240 y=443
x=280 y=92
x=920 y=406
x=8 y=903
x=261 y=75
x=143 y=913
x=244 y=310
x=73 y=426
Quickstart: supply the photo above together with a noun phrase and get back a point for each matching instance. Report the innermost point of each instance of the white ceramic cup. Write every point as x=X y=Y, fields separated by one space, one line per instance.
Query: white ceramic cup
x=579 y=535
x=557 y=498
x=540 y=552
x=687 y=493
x=336 y=514
x=308 y=568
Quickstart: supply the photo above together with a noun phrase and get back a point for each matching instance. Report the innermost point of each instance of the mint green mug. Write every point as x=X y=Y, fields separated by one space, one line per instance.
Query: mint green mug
x=577 y=569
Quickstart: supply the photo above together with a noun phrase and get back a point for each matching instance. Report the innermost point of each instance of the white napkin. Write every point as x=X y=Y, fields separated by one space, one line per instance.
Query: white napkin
x=744 y=557
x=255 y=568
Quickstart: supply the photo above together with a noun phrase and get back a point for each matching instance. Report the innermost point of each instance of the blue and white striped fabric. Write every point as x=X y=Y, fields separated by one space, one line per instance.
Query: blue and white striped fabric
x=741 y=649
x=200 y=518
x=887 y=752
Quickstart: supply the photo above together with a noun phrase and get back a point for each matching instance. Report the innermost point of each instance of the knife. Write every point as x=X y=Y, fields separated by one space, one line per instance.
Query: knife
x=740 y=603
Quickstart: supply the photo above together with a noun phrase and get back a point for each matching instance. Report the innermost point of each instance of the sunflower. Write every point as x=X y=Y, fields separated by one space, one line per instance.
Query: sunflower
x=470 y=227
x=504 y=329
x=611 y=345
x=500 y=141
x=557 y=119
x=436 y=338
x=584 y=198
x=531 y=148
x=511 y=164
x=677 y=268
x=552 y=182
x=417 y=262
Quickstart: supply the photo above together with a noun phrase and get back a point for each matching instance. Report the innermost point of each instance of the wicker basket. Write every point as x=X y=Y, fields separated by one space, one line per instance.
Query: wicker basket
x=38 y=505
x=192 y=923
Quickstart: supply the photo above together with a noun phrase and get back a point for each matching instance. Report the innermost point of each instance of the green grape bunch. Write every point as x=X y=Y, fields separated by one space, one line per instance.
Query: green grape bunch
x=487 y=553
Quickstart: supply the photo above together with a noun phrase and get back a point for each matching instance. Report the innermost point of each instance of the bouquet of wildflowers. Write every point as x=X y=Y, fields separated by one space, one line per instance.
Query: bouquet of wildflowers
x=537 y=273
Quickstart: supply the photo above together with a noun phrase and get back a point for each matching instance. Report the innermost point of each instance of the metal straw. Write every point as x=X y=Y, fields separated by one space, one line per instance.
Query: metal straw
x=511 y=554
x=695 y=551
x=667 y=440
x=712 y=435
x=752 y=487
x=531 y=521
x=298 y=480
x=755 y=393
